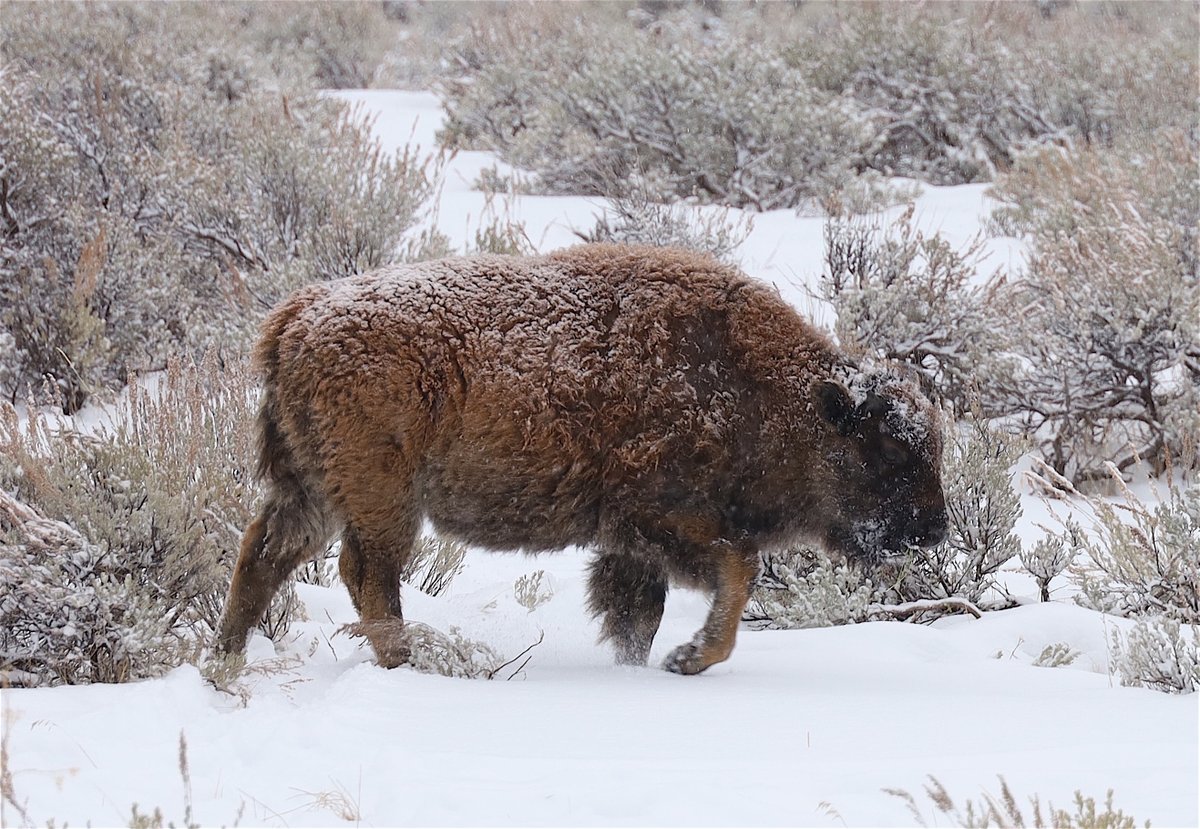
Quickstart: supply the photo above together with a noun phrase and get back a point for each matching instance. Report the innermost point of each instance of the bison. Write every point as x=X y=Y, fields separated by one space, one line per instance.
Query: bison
x=651 y=404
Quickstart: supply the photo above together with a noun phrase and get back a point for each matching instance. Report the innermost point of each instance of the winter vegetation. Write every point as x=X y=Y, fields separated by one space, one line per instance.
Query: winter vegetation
x=1000 y=196
x=778 y=106
x=157 y=202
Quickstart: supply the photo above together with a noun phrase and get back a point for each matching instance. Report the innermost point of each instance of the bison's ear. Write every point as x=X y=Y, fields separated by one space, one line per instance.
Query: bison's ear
x=834 y=405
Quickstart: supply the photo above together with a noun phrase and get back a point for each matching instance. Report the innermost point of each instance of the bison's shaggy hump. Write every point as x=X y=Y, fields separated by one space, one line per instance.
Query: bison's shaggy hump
x=651 y=403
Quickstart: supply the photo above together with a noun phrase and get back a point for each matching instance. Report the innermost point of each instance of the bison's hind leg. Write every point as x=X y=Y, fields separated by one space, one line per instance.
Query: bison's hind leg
x=627 y=593
x=293 y=527
x=370 y=564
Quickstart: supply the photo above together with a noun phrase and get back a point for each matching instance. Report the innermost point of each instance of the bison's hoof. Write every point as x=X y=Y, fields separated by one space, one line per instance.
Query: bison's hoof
x=685 y=659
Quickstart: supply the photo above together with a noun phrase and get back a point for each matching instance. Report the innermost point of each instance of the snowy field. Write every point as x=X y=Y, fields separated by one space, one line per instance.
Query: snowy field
x=798 y=728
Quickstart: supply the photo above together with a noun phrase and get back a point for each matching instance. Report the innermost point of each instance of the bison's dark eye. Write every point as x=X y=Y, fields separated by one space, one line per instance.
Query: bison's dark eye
x=894 y=454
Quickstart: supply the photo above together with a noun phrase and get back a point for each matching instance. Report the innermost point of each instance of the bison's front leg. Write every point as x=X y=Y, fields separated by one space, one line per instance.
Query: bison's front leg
x=736 y=570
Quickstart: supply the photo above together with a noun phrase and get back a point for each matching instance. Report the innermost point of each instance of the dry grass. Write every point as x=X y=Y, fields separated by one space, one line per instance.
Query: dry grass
x=1002 y=811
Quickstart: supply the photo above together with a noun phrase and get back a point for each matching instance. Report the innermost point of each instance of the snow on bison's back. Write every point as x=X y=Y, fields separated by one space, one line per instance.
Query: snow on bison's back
x=652 y=404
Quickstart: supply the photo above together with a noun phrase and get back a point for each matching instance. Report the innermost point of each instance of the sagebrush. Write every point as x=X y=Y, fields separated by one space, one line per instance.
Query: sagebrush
x=785 y=105
x=118 y=542
x=156 y=200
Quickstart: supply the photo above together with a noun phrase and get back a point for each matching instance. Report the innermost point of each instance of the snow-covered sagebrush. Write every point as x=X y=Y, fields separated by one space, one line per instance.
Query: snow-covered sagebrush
x=155 y=200
x=1143 y=559
x=677 y=115
x=1104 y=324
x=983 y=508
x=116 y=547
x=790 y=105
x=903 y=295
x=634 y=218
x=70 y=613
x=1159 y=653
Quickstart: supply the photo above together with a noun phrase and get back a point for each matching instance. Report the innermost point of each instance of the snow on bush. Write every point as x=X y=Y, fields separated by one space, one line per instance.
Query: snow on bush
x=155 y=199
x=116 y=548
x=663 y=109
x=1051 y=555
x=982 y=507
x=430 y=650
x=67 y=615
x=1106 y=321
x=777 y=106
x=1098 y=353
x=801 y=588
x=1144 y=560
x=632 y=217
x=948 y=102
x=903 y=295
x=1159 y=653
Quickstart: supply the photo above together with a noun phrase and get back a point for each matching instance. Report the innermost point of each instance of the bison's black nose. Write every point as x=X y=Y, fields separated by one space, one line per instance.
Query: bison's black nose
x=932 y=528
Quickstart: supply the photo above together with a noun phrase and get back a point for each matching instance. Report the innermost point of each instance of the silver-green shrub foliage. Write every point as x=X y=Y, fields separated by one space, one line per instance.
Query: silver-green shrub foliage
x=116 y=547
x=1161 y=654
x=633 y=218
x=774 y=105
x=153 y=198
x=903 y=295
x=1106 y=318
x=1144 y=562
x=66 y=614
x=671 y=113
x=1093 y=351
x=982 y=507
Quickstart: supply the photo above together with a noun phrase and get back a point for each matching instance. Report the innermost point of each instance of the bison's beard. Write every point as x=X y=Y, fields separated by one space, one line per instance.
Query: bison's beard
x=867 y=542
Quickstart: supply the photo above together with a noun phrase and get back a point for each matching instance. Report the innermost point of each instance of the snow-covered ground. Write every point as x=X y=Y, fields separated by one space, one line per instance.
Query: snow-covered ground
x=798 y=728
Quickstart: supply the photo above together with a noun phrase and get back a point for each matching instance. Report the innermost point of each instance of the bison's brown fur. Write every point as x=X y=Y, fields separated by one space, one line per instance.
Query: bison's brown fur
x=652 y=404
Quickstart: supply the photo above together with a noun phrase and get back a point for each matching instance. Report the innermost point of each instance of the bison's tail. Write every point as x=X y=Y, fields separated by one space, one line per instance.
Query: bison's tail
x=274 y=457
x=293 y=485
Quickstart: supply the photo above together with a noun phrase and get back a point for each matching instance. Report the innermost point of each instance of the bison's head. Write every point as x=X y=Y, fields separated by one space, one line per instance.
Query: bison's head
x=883 y=450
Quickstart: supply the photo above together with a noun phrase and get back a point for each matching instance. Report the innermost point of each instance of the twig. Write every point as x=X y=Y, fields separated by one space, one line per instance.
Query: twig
x=492 y=673
x=7 y=793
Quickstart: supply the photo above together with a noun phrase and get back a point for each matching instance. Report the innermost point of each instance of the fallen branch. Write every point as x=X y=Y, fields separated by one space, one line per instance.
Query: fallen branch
x=904 y=610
